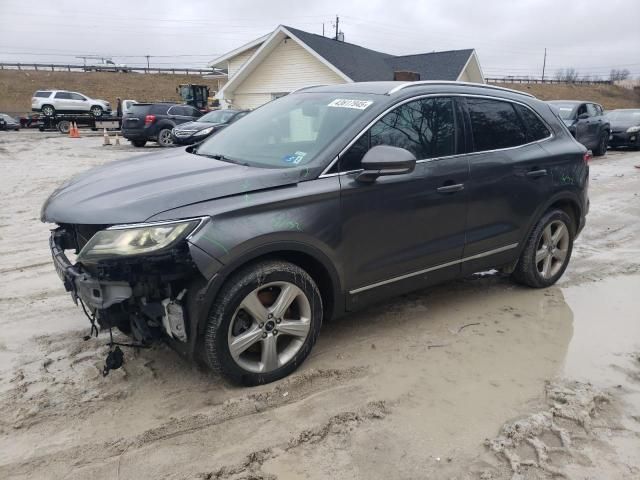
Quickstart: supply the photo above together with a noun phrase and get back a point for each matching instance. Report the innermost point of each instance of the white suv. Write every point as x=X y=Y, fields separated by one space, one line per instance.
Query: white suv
x=51 y=101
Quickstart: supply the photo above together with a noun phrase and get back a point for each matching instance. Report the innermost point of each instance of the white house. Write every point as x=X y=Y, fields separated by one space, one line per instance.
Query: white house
x=276 y=64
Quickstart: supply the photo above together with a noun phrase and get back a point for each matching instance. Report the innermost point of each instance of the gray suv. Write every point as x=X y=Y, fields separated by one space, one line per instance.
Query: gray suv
x=316 y=205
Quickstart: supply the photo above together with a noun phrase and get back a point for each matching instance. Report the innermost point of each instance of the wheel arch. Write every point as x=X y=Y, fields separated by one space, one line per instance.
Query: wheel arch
x=310 y=258
x=567 y=202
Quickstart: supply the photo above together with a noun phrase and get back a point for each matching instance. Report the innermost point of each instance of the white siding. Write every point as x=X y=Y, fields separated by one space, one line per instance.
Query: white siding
x=250 y=100
x=472 y=72
x=234 y=64
x=287 y=67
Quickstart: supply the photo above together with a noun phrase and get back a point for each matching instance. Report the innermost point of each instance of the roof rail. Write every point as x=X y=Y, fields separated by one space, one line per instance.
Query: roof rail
x=449 y=82
x=307 y=86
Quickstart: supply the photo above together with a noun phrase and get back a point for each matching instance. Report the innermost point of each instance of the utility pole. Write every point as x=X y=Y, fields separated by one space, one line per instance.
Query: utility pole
x=337 y=26
x=544 y=64
x=148 y=56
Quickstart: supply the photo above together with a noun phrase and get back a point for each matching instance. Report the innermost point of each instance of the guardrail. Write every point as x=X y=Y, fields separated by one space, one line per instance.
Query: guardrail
x=56 y=67
x=546 y=80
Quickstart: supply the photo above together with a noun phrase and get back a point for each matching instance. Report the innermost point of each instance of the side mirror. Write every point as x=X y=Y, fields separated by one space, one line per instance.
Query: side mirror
x=583 y=116
x=384 y=160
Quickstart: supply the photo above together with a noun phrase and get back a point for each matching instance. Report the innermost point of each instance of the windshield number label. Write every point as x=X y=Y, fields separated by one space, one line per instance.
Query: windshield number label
x=346 y=103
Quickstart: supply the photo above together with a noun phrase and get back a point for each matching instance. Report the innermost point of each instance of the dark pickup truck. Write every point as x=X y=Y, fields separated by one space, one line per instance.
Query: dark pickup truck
x=586 y=122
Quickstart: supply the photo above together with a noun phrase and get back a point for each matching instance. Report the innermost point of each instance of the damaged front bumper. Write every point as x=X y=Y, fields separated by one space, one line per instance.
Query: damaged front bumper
x=93 y=292
x=144 y=296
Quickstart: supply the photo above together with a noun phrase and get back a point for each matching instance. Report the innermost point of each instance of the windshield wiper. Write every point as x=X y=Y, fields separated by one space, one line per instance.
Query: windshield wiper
x=224 y=158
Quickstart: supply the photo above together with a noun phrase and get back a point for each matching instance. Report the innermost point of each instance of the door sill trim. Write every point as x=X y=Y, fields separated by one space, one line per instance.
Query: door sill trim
x=431 y=269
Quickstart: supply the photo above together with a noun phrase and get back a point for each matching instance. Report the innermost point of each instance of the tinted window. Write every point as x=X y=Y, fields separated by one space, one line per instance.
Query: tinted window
x=159 y=109
x=42 y=94
x=536 y=130
x=495 y=124
x=425 y=127
x=194 y=112
x=76 y=96
x=63 y=95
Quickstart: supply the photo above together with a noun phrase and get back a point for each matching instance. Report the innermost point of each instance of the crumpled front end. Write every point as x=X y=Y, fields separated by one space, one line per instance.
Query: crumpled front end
x=143 y=295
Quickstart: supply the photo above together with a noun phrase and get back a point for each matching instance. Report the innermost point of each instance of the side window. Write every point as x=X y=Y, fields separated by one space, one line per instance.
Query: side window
x=495 y=124
x=591 y=110
x=581 y=109
x=536 y=130
x=194 y=112
x=599 y=108
x=425 y=127
x=76 y=96
x=63 y=96
x=43 y=94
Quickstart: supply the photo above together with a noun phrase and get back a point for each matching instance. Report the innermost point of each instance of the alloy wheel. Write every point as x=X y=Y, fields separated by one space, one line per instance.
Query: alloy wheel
x=165 y=139
x=47 y=110
x=552 y=250
x=269 y=327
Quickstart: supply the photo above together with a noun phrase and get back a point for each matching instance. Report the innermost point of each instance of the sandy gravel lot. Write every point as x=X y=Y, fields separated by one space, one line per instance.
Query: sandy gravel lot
x=475 y=379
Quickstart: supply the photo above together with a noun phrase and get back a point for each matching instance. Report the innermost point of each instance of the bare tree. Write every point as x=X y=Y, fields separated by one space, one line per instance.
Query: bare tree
x=559 y=74
x=570 y=75
x=621 y=74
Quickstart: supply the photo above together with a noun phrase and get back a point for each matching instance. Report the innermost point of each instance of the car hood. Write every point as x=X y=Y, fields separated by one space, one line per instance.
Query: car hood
x=196 y=126
x=133 y=190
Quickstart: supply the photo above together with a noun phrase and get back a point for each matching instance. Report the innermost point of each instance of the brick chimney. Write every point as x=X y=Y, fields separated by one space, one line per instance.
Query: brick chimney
x=406 y=76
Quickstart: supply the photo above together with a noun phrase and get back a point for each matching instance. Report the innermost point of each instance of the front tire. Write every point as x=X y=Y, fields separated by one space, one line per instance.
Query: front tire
x=164 y=138
x=96 y=111
x=603 y=141
x=547 y=252
x=263 y=323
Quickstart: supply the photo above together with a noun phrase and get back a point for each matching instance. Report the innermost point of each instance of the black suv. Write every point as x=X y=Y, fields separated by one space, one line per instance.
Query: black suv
x=318 y=204
x=154 y=122
x=586 y=122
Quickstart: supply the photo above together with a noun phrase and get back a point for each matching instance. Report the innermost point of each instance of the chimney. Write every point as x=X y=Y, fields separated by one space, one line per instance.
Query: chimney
x=406 y=76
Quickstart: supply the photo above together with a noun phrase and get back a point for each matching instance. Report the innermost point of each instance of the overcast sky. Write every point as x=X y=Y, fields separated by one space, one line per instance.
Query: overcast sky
x=509 y=35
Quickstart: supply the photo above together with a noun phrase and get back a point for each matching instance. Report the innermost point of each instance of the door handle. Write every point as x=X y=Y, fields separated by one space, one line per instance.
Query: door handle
x=451 y=188
x=537 y=173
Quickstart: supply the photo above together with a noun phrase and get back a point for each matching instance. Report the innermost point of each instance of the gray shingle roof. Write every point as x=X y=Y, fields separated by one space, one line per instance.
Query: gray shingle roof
x=362 y=64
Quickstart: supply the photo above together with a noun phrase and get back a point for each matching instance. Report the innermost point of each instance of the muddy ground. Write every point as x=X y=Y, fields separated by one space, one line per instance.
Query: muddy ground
x=475 y=379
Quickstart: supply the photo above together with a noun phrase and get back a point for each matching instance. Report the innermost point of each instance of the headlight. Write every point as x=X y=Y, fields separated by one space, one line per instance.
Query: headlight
x=633 y=129
x=206 y=131
x=131 y=240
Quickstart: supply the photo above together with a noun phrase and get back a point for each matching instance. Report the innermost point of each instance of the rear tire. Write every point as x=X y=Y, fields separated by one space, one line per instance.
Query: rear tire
x=547 y=252
x=64 y=126
x=138 y=143
x=263 y=323
x=48 y=110
x=601 y=149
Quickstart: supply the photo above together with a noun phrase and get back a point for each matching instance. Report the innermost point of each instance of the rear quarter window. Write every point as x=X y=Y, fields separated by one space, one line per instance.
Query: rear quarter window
x=495 y=124
x=159 y=109
x=42 y=94
x=536 y=129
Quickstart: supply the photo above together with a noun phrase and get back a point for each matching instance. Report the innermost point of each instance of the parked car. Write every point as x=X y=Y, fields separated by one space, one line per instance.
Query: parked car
x=586 y=122
x=154 y=122
x=107 y=65
x=625 y=127
x=317 y=204
x=205 y=126
x=50 y=102
x=7 y=122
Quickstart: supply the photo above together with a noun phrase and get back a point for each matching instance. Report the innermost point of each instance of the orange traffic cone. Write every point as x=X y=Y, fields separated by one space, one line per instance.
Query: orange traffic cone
x=76 y=130
x=106 y=139
x=71 y=132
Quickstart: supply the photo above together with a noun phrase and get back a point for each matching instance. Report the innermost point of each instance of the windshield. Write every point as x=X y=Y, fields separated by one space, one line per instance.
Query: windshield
x=219 y=116
x=565 y=110
x=624 y=116
x=288 y=132
x=7 y=117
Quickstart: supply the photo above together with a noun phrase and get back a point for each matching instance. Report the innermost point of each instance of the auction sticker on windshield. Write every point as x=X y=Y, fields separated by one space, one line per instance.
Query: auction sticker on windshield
x=346 y=103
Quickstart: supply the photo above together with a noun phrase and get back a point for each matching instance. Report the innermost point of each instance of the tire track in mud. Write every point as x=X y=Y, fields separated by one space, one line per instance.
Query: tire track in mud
x=293 y=389
x=340 y=424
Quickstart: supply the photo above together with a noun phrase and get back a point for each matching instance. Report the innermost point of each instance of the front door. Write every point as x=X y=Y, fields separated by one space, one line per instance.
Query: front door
x=403 y=232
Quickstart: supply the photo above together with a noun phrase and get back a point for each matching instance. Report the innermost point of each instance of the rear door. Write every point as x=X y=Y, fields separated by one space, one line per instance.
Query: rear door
x=509 y=179
x=63 y=102
x=80 y=102
x=406 y=231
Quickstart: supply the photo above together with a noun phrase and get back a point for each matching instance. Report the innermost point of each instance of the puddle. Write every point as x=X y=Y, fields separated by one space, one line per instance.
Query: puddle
x=606 y=329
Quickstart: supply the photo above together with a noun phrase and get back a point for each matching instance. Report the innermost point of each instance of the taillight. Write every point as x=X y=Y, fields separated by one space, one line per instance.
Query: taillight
x=149 y=119
x=587 y=157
